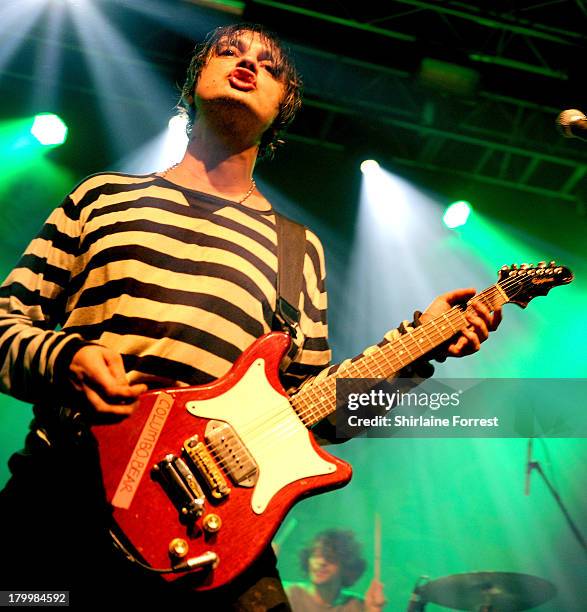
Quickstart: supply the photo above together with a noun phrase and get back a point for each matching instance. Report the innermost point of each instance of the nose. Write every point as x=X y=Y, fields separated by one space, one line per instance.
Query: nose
x=249 y=63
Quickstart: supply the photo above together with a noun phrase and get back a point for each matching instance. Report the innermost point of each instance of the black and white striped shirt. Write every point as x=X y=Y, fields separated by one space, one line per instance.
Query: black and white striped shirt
x=179 y=282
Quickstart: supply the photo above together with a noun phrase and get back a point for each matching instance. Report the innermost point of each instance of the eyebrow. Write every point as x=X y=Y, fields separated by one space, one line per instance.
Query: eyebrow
x=238 y=40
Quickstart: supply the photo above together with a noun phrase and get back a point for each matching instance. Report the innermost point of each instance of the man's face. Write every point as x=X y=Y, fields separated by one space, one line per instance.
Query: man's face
x=243 y=72
x=323 y=568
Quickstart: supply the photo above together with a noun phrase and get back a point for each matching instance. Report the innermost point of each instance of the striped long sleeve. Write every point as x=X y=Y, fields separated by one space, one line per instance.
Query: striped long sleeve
x=32 y=301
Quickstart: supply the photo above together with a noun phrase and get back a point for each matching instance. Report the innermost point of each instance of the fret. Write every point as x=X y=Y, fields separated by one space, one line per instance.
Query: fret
x=487 y=301
x=393 y=360
x=416 y=339
x=446 y=318
x=404 y=351
x=439 y=331
x=382 y=363
x=432 y=345
x=391 y=366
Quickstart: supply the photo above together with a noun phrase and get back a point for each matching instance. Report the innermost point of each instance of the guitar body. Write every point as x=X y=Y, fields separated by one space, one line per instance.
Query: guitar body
x=214 y=467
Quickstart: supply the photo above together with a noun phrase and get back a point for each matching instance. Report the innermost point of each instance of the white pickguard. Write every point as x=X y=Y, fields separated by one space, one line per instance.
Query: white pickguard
x=270 y=429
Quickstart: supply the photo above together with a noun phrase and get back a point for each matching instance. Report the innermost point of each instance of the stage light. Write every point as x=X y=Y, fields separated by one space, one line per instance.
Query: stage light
x=177 y=126
x=119 y=81
x=457 y=214
x=177 y=138
x=73 y=3
x=49 y=129
x=370 y=166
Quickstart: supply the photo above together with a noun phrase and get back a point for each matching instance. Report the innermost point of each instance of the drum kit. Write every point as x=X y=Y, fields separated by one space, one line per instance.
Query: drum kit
x=483 y=592
x=474 y=591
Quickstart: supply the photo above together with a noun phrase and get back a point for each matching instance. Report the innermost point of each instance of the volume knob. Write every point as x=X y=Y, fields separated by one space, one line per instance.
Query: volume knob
x=211 y=523
x=178 y=548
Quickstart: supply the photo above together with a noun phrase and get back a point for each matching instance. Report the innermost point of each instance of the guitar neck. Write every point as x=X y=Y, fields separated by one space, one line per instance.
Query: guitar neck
x=318 y=400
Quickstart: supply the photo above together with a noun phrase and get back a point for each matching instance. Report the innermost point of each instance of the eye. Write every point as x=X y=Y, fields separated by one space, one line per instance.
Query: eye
x=229 y=51
x=271 y=69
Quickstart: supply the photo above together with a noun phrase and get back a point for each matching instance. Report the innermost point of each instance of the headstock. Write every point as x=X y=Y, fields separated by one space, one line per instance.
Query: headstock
x=522 y=284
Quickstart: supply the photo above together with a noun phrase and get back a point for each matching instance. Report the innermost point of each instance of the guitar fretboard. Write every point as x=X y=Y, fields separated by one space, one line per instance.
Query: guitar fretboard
x=318 y=399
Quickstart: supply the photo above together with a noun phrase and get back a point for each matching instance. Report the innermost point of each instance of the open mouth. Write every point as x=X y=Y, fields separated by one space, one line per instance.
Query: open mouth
x=242 y=79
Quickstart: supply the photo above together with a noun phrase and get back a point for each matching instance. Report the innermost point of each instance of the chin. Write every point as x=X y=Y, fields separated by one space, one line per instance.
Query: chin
x=234 y=116
x=231 y=108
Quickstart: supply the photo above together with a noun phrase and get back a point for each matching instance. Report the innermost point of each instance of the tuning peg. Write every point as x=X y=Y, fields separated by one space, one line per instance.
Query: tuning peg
x=524 y=266
x=552 y=264
x=505 y=268
x=514 y=266
x=542 y=264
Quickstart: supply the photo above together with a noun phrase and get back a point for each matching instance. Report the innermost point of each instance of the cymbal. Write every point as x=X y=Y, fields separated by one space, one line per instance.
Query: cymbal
x=500 y=591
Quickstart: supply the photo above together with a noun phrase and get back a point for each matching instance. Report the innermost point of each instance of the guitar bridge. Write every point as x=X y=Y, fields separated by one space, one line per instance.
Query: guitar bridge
x=202 y=459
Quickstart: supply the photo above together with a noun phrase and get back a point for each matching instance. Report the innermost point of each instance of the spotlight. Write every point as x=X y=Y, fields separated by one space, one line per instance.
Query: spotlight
x=457 y=214
x=370 y=166
x=177 y=124
x=177 y=139
x=49 y=129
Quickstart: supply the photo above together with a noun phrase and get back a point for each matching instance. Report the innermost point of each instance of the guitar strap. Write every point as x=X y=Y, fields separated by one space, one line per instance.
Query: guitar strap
x=291 y=251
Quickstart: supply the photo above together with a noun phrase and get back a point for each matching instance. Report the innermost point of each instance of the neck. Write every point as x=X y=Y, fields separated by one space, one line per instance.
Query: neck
x=214 y=165
x=325 y=593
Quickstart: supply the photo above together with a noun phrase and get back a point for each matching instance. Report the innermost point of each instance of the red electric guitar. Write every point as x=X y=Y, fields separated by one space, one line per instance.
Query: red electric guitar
x=200 y=478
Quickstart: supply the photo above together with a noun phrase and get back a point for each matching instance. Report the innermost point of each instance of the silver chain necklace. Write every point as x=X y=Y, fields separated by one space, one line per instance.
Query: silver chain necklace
x=243 y=199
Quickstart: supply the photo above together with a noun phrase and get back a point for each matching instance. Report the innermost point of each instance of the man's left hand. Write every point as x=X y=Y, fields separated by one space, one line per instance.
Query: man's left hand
x=481 y=321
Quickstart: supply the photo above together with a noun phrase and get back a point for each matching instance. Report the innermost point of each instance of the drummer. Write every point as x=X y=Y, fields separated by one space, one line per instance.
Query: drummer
x=332 y=562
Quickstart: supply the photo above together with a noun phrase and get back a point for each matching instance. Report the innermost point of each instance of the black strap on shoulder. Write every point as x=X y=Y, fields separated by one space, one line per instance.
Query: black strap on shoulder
x=291 y=250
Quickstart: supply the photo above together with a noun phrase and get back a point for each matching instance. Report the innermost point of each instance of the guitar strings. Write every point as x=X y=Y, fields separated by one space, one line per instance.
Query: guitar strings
x=407 y=340
x=330 y=381
x=311 y=400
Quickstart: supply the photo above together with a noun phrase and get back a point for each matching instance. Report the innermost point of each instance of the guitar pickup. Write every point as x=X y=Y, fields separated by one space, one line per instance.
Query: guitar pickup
x=181 y=485
x=227 y=446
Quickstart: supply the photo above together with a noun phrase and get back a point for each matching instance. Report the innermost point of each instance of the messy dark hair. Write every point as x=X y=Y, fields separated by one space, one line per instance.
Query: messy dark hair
x=337 y=546
x=285 y=71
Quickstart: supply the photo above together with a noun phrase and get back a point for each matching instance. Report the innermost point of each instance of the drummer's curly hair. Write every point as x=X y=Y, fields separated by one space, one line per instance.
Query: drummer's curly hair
x=284 y=70
x=339 y=546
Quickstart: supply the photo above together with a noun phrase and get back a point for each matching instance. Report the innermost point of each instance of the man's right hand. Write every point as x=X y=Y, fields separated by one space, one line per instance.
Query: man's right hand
x=374 y=597
x=97 y=373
